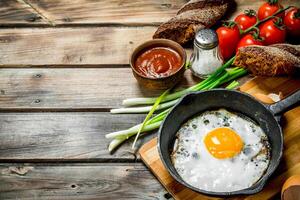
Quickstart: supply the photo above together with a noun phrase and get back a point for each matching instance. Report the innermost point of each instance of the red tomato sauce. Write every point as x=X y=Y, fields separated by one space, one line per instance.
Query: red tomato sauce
x=158 y=62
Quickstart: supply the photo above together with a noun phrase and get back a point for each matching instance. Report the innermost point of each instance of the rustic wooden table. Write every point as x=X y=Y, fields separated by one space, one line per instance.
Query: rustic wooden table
x=63 y=66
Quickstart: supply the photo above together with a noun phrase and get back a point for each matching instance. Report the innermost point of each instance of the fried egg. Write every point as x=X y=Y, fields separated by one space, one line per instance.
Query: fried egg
x=221 y=151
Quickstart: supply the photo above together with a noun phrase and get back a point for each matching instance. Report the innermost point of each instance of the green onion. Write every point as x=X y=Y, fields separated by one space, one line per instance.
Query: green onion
x=232 y=85
x=149 y=115
x=115 y=143
x=234 y=76
x=119 y=139
x=143 y=109
x=133 y=130
x=154 y=122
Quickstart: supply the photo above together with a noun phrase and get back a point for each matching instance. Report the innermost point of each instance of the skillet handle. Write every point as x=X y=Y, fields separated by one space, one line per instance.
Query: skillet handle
x=285 y=104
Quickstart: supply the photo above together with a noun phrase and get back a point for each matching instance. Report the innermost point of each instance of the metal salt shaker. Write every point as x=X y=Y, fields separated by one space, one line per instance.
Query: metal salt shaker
x=206 y=58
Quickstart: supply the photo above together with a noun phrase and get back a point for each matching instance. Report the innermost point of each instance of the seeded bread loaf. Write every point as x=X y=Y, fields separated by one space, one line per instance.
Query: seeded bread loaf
x=277 y=59
x=193 y=16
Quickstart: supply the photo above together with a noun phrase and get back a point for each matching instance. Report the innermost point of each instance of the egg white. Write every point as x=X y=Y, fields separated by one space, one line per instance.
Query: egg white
x=200 y=169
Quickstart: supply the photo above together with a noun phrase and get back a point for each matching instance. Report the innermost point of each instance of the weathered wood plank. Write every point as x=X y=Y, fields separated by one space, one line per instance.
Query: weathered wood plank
x=107 y=11
x=69 y=89
x=64 y=89
x=75 y=46
x=93 y=181
x=72 y=136
x=14 y=12
x=70 y=46
x=66 y=12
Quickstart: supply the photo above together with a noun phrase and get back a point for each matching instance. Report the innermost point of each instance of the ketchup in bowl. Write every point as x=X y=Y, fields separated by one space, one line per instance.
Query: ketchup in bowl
x=158 y=62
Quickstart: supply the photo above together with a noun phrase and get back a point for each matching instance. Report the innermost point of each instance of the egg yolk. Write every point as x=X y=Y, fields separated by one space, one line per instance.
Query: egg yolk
x=223 y=143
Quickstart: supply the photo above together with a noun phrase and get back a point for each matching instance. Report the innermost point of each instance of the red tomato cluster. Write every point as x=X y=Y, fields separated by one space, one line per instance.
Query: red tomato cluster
x=244 y=30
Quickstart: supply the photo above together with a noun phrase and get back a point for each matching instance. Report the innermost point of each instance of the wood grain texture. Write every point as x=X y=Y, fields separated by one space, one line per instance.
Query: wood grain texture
x=86 y=12
x=107 y=11
x=71 y=89
x=83 y=89
x=78 y=181
x=275 y=85
x=14 y=12
x=72 y=136
x=70 y=46
x=77 y=45
x=291 y=158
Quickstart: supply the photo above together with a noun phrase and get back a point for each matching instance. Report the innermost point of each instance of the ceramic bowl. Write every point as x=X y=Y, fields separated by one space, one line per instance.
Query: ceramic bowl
x=161 y=82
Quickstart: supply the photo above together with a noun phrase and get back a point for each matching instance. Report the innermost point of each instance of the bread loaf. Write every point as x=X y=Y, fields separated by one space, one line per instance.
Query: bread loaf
x=277 y=59
x=194 y=15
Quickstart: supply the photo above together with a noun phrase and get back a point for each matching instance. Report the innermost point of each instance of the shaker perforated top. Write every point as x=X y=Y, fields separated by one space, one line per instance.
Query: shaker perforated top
x=206 y=39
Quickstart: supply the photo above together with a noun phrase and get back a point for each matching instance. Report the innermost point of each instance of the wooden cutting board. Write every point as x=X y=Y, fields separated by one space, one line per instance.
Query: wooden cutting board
x=291 y=158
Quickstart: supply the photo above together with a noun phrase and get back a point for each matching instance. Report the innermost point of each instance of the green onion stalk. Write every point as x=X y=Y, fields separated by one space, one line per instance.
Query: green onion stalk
x=149 y=116
x=221 y=76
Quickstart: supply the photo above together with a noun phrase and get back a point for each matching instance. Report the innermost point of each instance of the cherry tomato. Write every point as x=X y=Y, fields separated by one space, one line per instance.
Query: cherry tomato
x=246 y=20
x=249 y=40
x=269 y=8
x=272 y=31
x=292 y=21
x=229 y=36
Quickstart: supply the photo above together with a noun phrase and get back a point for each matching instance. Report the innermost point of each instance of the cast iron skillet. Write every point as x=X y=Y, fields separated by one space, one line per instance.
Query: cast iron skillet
x=267 y=116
